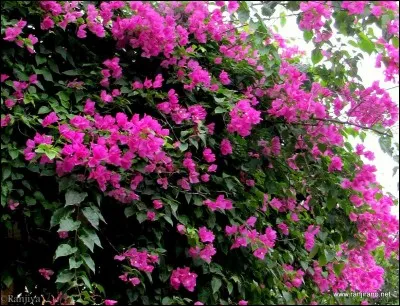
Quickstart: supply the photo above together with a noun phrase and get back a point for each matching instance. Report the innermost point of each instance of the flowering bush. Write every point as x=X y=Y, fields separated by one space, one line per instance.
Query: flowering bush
x=179 y=153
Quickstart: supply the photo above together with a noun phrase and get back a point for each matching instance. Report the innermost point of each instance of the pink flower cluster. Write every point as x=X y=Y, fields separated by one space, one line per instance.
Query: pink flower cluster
x=46 y=273
x=313 y=14
x=13 y=34
x=354 y=7
x=142 y=261
x=208 y=250
x=246 y=234
x=292 y=278
x=243 y=117
x=143 y=138
x=183 y=276
x=294 y=103
x=226 y=147
x=270 y=148
x=371 y=106
x=309 y=237
x=220 y=203
x=178 y=113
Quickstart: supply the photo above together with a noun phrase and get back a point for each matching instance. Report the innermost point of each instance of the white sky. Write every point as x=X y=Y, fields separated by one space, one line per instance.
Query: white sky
x=383 y=162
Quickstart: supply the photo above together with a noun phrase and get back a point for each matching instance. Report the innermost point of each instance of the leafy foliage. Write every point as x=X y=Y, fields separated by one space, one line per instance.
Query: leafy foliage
x=164 y=153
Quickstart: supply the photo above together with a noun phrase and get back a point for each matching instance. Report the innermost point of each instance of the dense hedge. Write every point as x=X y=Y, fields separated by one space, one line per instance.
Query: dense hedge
x=179 y=153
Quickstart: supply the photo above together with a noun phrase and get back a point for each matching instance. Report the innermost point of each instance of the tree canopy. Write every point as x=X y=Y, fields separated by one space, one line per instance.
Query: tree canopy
x=184 y=152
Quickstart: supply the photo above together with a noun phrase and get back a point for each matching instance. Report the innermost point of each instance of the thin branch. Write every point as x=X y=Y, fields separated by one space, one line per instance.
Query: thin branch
x=354 y=124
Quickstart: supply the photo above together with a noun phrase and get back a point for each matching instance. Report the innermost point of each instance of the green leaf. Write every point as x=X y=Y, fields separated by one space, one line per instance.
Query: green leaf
x=385 y=143
x=6 y=172
x=73 y=264
x=40 y=59
x=141 y=217
x=92 y=216
x=73 y=197
x=243 y=12
x=219 y=110
x=53 y=67
x=282 y=18
x=365 y=43
x=44 y=110
x=65 y=277
x=215 y=284
x=316 y=56
x=46 y=74
x=68 y=225
x=308 y=35
x=73 y=72
x=331 y=202
x=183 y=147
x=338 y=268
x=87 y=241
x=329 y=255
x=65 y=250
x=322 y=260
x=58 y=215
x=314 y=251
x=288 y=297
x=62 y=51
x=167 y=301
x=89 y=262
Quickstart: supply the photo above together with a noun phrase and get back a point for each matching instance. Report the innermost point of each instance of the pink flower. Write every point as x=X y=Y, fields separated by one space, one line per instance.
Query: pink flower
x=89 y=107
x=207 y=253
x=208 y=155
x=47 y=23
x=46 y=273
x=147 y=83
x=3 y=77
x=151 y=215
x=353 y=217
x=157 y=204
x=110 y=302
x=198 y=303
x=181 y=229
x=260 y=253
x=105 y=97
x=210 y=128
x=251 y=221
x=336 y=164
x=294 y=217
x=212 y=168
x=183 y=276
x=137 y=85
x=243 y=302
x=232 y=7
x=205 y=177
x=5 y=120
x=284 y=228
x=12 y=205
x=134 y=281
x=81 y=31
x=224 y=78
x=50 y=119
x=63 y=234
x=250 y=183
x=218 y=60
x=226 y=147
x=243 y=117
x=33 y=79
x=231 y=230
x=158 y=81
x=9 y=103
x=206 y=235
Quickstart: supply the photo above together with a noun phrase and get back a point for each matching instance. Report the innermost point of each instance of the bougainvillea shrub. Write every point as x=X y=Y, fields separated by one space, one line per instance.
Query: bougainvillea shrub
x=181 y=152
